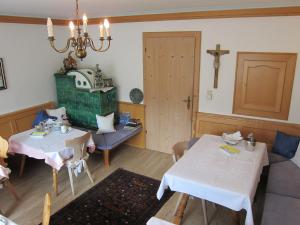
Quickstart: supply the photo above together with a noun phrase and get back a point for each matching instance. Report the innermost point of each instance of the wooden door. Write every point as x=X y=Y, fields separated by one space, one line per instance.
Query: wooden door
x=169 y=70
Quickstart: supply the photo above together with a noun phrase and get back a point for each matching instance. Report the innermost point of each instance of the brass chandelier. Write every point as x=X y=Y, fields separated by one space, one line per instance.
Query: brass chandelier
x=78 y=41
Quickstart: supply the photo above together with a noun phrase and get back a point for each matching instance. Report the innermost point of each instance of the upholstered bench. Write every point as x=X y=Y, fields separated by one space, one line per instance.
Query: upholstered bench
x=108 y=141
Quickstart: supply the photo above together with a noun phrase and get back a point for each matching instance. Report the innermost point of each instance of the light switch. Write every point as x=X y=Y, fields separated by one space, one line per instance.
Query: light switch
x=209 y=95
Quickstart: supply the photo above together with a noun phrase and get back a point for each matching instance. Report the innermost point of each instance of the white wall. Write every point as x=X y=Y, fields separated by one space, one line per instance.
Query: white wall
x=124 y=61
x=29 y=64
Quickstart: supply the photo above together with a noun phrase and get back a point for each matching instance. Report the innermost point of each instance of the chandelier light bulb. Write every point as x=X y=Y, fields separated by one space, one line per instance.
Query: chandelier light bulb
x=72 y=28
x=106 y=25
x=84 y=20
x=50 y=27
x=101 y=28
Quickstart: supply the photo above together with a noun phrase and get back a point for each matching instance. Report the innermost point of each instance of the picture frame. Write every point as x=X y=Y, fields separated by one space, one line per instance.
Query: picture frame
x=3 y=85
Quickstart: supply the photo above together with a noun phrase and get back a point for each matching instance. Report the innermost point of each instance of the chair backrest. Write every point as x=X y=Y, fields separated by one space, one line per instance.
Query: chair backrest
x=47 y=210
x=179 y=149
x=79 y=145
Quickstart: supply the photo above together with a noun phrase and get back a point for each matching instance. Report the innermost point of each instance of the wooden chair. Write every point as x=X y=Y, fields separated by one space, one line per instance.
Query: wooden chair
x=80 y=156
x=5 y=181
x=47 y=210
x=178 y=151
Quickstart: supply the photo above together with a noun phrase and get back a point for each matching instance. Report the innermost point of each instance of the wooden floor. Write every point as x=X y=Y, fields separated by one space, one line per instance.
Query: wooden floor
x=37 y=180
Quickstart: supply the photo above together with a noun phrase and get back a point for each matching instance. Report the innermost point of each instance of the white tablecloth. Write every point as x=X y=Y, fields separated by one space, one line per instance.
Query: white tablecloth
x=8 y=220
x=51 y=147
x=207 y=172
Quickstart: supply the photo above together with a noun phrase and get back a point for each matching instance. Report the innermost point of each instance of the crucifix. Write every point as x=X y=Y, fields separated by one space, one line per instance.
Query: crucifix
x=217 y=53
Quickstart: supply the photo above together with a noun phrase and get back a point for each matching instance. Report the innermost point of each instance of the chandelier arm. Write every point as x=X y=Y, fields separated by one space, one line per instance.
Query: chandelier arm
x=93 y=46
x=51 y=39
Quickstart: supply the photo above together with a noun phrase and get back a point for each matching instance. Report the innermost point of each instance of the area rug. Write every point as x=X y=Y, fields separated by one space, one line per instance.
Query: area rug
x=123 y=198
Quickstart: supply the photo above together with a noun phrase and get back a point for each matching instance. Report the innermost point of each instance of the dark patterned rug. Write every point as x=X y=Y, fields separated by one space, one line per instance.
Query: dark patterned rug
x=123 y=198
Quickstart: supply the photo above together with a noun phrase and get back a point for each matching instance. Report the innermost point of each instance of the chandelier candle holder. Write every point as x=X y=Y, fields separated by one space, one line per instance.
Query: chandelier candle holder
x=78 y=41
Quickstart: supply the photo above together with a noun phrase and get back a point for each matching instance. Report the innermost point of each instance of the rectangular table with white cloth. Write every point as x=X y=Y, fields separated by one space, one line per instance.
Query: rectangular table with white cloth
x=51 y=147
x=209 y=173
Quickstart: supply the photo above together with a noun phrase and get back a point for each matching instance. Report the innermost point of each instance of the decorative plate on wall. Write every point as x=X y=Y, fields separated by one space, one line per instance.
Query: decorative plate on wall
x=136 y=96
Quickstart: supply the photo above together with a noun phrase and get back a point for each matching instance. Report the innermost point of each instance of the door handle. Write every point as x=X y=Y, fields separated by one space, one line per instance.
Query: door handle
x=188 y=102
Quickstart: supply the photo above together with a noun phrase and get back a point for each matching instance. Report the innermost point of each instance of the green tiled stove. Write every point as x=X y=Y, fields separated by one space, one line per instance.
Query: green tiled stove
x=81 y=105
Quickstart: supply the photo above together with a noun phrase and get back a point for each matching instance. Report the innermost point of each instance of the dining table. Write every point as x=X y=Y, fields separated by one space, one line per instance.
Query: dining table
x=50 y=148
x=208 y=172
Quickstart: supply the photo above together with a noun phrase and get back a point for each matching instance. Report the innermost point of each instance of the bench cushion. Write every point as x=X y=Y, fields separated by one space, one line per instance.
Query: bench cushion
x=281 y=210
x=284 y=179
x=109 y=141
x=275 y=158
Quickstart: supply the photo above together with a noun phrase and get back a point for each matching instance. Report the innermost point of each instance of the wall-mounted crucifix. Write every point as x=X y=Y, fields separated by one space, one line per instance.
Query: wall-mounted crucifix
x=217 y=53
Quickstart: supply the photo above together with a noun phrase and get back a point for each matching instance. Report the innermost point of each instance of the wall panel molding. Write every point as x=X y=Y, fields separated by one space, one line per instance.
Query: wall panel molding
x=212 y=14
x=264 y=131
x=21 y=120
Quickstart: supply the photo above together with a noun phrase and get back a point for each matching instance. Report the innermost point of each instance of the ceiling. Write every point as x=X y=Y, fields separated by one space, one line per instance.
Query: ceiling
x=97 y=8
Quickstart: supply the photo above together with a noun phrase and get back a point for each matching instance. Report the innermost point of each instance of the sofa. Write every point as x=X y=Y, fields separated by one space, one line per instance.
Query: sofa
x=282 y=202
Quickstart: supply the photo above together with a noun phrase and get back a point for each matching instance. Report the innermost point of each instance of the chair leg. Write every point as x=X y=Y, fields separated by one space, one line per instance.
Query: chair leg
x=11 y=189
x=55 y=183
x=88 y=171
x=71 y=180
x=204 y=211
x=23 y=160
x=106 y=158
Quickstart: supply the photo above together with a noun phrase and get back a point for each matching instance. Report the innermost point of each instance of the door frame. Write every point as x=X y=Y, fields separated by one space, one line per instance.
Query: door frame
x=196 y=77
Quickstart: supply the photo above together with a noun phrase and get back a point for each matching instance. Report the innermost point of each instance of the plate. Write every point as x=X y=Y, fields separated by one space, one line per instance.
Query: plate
x=136 y=95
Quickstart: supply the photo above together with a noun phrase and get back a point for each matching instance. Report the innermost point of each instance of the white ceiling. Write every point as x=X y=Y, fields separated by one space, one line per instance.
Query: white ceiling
x=96 y=8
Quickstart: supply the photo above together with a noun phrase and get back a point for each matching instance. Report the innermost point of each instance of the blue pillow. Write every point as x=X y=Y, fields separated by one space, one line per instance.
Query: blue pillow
x=285 y=145
x=40 y=116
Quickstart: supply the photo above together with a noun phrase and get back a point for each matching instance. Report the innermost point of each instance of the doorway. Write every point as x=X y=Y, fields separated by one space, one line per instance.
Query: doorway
x=171 y=87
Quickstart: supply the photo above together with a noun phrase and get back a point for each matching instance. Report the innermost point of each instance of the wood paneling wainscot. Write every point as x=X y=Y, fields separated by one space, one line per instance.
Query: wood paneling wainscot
x=138 y=112
x=21 y=120
x=264 y=131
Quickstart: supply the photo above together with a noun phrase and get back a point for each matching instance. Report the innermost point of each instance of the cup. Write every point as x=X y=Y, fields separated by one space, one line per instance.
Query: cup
x=63 y=129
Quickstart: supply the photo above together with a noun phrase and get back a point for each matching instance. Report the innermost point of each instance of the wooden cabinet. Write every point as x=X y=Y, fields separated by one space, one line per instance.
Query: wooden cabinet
x=264 y=83
x=81 y=105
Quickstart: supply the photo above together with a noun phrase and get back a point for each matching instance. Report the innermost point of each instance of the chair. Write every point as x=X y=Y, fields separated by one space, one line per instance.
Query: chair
x=79 y=145
x=178 y=151
x=5 y=180
x=47 y=210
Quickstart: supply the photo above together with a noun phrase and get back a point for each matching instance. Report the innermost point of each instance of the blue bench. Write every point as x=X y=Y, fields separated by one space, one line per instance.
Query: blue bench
x=108 y=141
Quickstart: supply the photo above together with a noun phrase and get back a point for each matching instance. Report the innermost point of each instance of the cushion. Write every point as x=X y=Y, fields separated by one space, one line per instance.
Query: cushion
x=284 y=179
x=60 y=114
x=40 y=116
x=105 y=123
x=285 y=145
x=281 y=210
x=296 y=158
x=275 y=158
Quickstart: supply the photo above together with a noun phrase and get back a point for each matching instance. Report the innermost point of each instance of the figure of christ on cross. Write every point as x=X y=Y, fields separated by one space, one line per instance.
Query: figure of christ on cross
x=217 y=53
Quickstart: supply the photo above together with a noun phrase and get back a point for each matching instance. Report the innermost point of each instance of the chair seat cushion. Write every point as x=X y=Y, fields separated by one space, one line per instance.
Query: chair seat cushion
x=281 y=210
x=284 y=179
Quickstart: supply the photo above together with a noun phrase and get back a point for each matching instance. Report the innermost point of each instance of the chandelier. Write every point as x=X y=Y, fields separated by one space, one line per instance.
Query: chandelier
x=78 y=41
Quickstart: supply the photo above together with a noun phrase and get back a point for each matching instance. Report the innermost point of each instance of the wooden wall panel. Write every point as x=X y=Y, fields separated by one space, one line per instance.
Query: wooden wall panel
x=15 y=122
x=138 y=112
x=263 y=130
